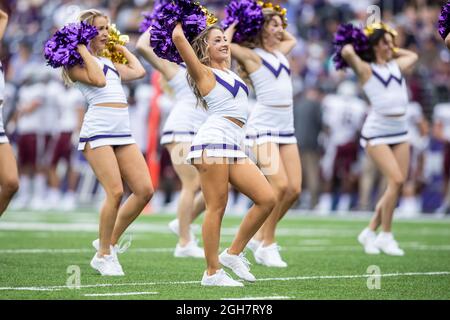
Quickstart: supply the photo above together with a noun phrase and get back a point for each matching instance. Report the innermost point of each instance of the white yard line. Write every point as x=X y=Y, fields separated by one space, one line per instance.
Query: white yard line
x=260 y=298
x=164 y=283
x=118 y=294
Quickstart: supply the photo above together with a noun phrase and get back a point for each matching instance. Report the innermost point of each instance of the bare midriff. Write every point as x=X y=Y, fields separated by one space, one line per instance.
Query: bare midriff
x=236 y=121
x=112 y=105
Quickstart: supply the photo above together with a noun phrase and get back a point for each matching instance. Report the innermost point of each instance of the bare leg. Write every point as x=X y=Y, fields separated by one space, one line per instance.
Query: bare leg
x=9 y=176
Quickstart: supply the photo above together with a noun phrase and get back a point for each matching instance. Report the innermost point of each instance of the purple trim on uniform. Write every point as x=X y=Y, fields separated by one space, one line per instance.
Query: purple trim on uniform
x=274 y=134
x=183 y=65
x=386 y=135
x=105 y=136
x=233 y=89
x=180 y=132
x=2 y=134
x=1 y=67
x=388 y=81
x=221 y=146
x=276 y=72
x=106 y=68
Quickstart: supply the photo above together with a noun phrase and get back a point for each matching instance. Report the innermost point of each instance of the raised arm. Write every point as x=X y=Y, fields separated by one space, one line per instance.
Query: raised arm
x=405 y=58
x=361 y=68
x=168 y=69
x=133 y=69
x=287 y=43
x=245 y=56
x=203 y=76
x=91 y=73
x=3 y=23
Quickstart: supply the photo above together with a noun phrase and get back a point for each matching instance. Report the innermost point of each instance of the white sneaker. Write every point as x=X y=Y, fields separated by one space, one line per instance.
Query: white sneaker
x=114 y=251
x=189 y=250
x=270 y=256
x=386 y=243
x=238 y=263
x=105 y=265
x=221 y=279
x=174 y=226
x=69 y=202
x=253 y=245
x=367 y=239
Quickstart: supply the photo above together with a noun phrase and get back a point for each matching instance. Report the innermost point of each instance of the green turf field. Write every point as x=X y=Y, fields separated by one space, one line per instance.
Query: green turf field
x=325 y=261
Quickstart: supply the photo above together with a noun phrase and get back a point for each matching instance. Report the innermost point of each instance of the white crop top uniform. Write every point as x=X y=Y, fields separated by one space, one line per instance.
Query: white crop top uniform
x=272 y=118
x=388 y=95
x=219 y=136
x=186 y=116
x=3 y=138
x=105 y=126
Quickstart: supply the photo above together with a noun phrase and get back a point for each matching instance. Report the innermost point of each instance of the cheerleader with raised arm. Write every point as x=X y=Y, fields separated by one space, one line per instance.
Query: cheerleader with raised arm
x=105 y=136
x=260 y=45
x=9 y=176
x=380 y=67
x=184 y=120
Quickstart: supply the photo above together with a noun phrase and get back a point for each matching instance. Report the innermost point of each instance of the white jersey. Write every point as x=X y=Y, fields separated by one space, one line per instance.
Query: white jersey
x=414 y=117
x=272 y=81
x=2 y=84
x=386 y=89
x=31 y=122
x=229 y=97
x=72 y=101
x=55 y=100
x=113 y=92
x=139 y=115
x=441 y=113
x=182 y=91
x=344 y=116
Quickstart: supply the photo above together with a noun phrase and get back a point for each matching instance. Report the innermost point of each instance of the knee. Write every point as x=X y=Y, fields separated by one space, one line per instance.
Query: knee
x=397 y=182
x=280 y=190
x=115 y=194
x=268 y=201
x=146 y=193
x=293 y=192
x=11 y=186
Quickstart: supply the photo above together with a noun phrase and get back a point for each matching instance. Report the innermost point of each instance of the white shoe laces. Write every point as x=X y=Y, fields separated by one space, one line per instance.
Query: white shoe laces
x=244 y=260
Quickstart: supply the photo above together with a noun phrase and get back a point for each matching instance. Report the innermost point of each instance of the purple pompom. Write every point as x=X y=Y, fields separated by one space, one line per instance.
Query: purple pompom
x=444 y=21
x=250 y=17
x=348 y=34
x=150 y=16
x=61 y=49
x=192 y=18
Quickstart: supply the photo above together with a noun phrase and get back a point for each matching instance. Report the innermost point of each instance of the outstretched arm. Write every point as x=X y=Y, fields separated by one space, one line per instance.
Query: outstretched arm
x=133 y=69
x=361 y=68
x=287 y=43
x=203 y=76
x=91 y=73
x=3 y=23
x=168 y=69
x=405 y=59
x=245 y=56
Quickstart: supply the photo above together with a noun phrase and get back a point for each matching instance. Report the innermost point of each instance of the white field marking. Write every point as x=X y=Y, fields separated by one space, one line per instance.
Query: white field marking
x=260 y=298
x=118 y=294
x=164 y=283
x=149 y=228
x=307 y=248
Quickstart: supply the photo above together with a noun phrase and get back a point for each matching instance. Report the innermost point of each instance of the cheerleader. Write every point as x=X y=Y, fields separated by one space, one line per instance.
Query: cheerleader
x=384 y=134
x=270 y=127
x=9 y=176
x=106 y=140
x=183 y=122
x=216 y=152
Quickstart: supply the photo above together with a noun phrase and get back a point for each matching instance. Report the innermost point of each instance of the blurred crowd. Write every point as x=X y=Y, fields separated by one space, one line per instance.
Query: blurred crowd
x=42 y=115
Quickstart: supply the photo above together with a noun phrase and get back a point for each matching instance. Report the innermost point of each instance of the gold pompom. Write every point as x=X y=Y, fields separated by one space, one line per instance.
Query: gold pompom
x=115 y=38
x=278 y=9
x=210 y=18
x=370 y=29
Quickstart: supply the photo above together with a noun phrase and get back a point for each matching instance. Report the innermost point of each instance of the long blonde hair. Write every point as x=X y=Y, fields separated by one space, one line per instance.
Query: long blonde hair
x=87 y=16
x=200 y=46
